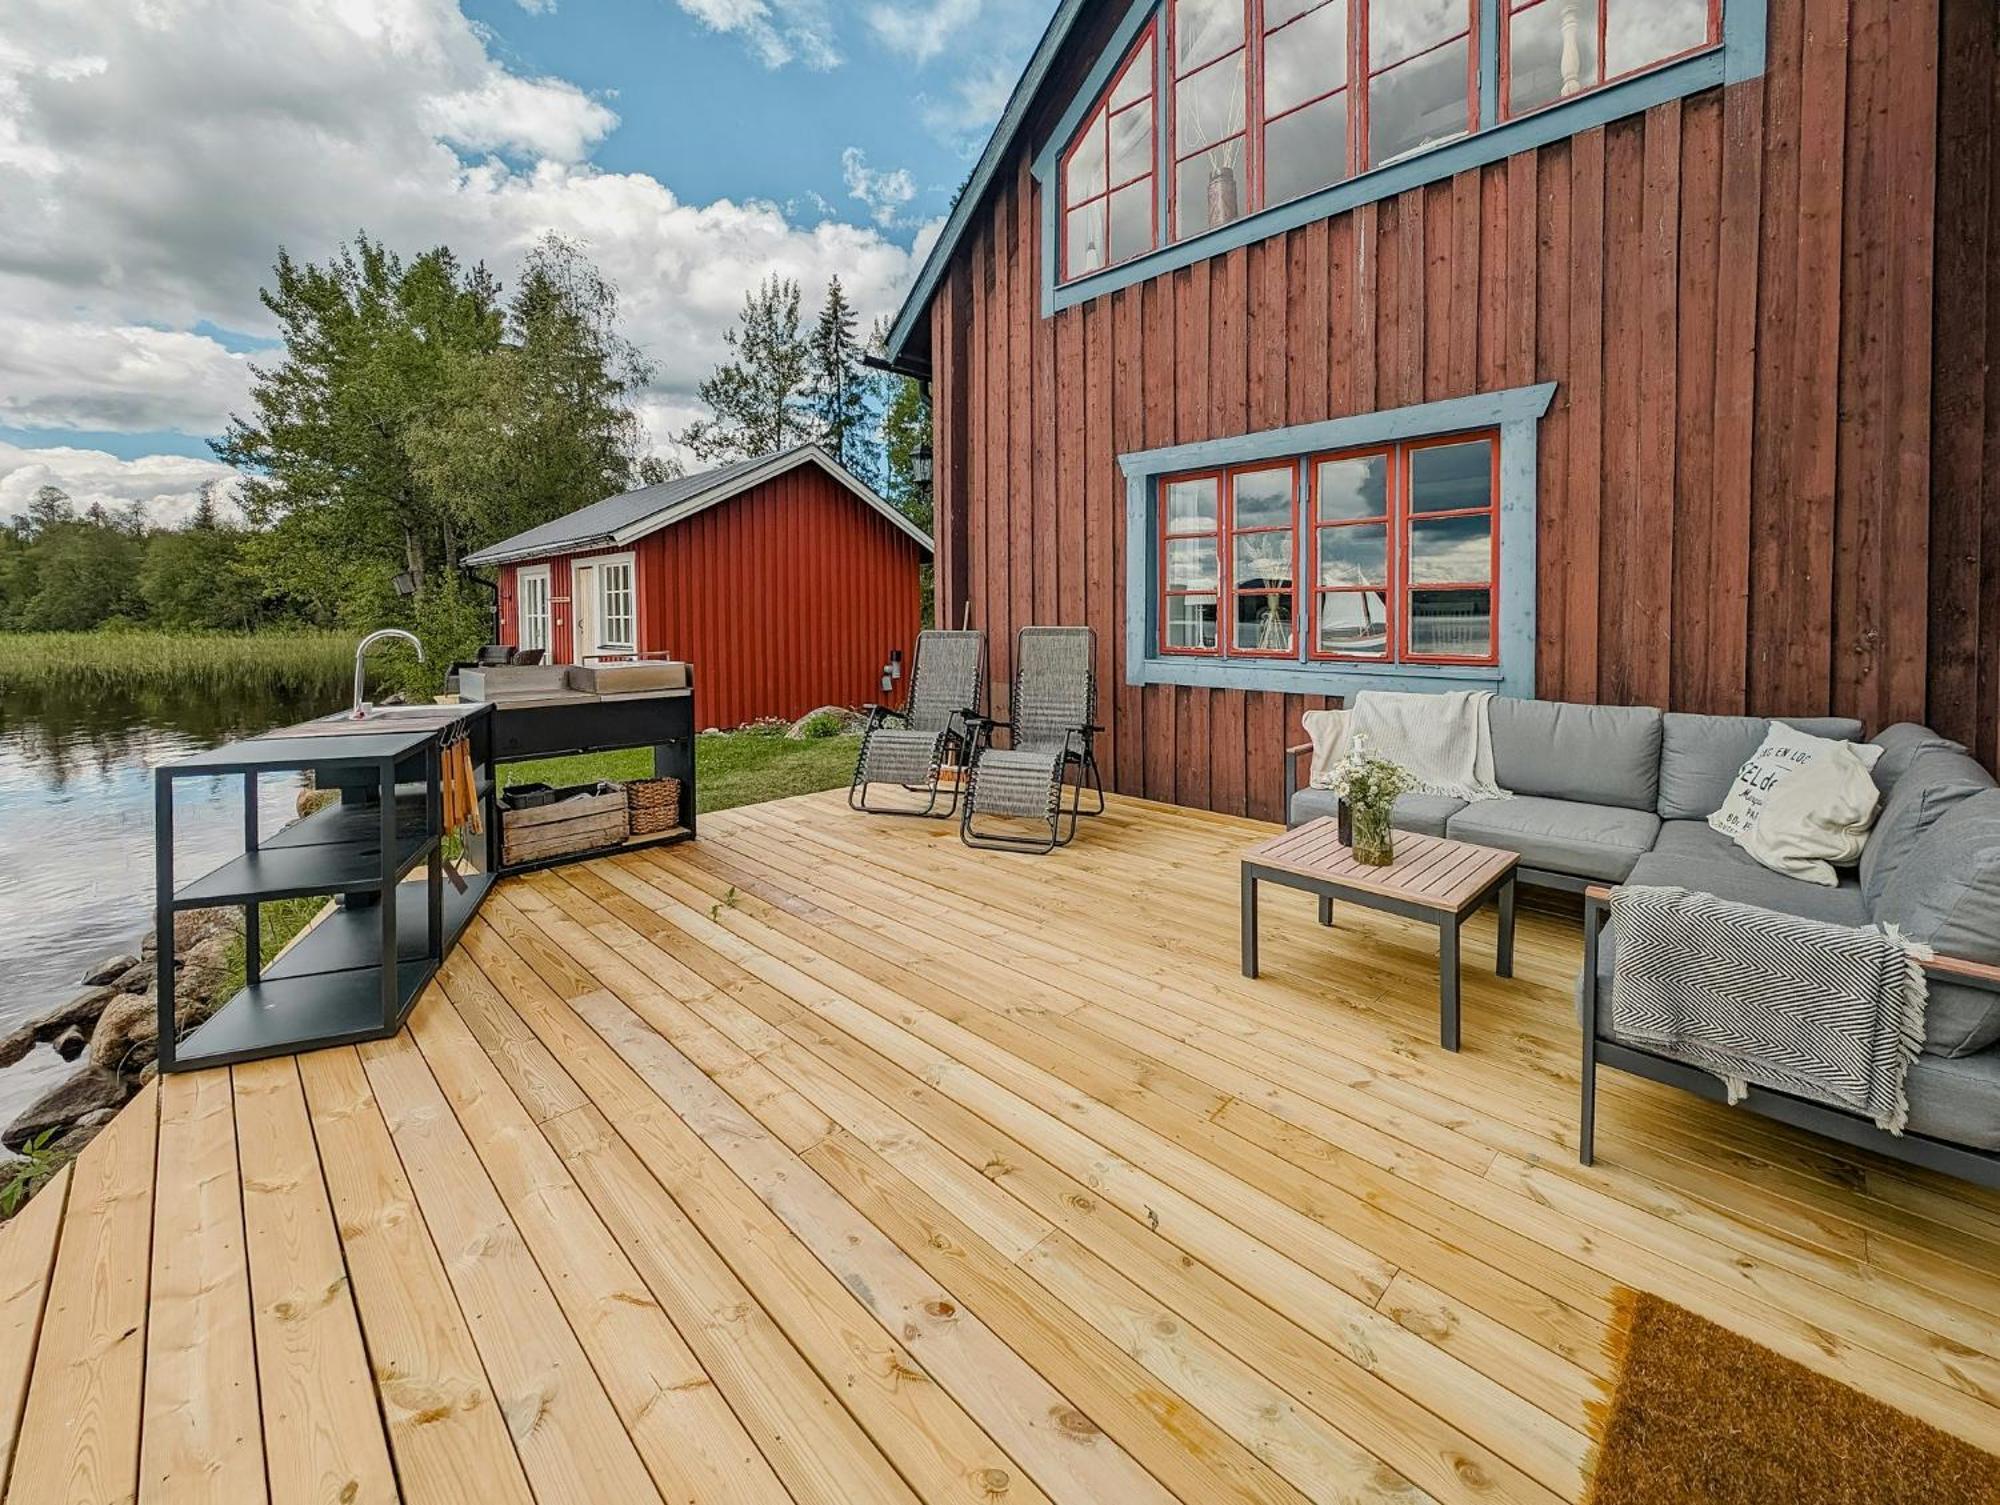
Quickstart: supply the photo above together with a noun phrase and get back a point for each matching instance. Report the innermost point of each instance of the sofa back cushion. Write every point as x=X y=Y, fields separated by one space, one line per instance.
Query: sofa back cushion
x=1595 y=754
x=1902 y=744
x=1947 y=895
x=1934 y=783
x=1700 y=755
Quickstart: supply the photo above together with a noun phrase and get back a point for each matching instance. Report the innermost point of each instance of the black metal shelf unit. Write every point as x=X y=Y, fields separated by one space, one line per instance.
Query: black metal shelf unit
x=357 y=972
x=662 y=720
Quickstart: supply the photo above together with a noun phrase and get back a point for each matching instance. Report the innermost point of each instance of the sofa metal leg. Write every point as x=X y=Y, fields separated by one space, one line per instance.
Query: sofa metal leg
x=1325 y=909
x=1586 y=1135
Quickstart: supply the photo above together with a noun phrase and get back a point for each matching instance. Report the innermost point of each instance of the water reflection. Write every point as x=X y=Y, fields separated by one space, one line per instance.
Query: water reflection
x=76 y=824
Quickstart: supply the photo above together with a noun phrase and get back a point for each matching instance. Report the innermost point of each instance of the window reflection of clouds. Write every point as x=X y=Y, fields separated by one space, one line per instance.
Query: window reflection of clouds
x=1357 y=487
x=1447 y=549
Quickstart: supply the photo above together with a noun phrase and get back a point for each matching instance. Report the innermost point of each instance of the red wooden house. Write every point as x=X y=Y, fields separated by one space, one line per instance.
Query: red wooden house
x=1633 y=351
x=784 y=580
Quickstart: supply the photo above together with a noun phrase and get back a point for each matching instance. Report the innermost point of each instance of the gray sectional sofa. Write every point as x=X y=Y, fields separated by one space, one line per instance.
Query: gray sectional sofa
x=1605 y=795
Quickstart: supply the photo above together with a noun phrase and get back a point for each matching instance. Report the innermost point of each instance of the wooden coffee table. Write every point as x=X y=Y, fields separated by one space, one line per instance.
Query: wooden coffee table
x=1432 y=879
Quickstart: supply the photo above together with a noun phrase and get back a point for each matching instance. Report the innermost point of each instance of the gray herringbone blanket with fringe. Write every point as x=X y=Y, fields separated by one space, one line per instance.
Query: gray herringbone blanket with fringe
x=1817 y=1010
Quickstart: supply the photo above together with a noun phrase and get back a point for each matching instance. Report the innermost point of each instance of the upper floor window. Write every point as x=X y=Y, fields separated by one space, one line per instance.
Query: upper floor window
x=1333 y=88
x=1552 y=49
x=1110 y=207
x=1402 y=551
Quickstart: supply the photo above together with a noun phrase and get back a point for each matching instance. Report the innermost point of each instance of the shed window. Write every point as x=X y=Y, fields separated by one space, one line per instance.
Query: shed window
x=1109 y=203
x=532 y=606
x=1554 y=49
x=617 y=619
x=1403 y=556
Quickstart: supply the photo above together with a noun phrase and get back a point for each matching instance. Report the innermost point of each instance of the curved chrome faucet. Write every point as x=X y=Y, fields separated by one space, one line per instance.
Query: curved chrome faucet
x=360 y=662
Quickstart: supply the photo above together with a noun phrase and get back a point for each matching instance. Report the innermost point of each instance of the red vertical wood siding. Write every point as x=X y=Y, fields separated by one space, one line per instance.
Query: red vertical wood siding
x=786 y=598
x=1766 y=485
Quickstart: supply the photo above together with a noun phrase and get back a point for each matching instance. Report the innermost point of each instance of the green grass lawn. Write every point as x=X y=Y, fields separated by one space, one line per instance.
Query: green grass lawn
x=731 y=768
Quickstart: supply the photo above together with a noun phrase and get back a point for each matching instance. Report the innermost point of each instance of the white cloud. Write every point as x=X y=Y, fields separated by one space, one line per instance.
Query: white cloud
x=118 y=378
x=886 y=192
x=965 y=113
x=777 y=31
x=155 y=154
x=167 y=486
x=921 y=30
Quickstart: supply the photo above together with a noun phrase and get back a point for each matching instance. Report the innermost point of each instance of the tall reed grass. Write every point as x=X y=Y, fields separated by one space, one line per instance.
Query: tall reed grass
x=54 y=660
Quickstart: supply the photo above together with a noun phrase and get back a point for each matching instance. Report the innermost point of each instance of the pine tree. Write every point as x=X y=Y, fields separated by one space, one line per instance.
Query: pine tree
x=759 y=395
x=841 y=386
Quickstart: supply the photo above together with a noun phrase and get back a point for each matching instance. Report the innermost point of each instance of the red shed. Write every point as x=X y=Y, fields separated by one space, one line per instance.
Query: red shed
x=787 y=583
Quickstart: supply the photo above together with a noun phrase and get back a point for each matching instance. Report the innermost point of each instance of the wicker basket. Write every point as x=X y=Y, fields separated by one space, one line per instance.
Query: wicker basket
x=655 y=805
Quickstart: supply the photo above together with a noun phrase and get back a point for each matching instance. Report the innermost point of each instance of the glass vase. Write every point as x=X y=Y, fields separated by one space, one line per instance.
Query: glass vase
x=1374 y=842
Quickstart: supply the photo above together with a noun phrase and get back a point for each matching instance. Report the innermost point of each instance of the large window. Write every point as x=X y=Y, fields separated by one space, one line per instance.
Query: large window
x=1403 y=553
x=1553 y=49
x=617 y=610
x=1109 y=204
x=1212 y=111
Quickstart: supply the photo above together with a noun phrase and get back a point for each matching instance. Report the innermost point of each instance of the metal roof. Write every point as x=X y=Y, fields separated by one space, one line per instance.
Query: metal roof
x=634 y=514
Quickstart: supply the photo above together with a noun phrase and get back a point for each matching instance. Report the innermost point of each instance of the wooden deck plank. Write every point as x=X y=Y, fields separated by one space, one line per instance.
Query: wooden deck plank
x=80 y=1433
x=201 y=1436
x=27 y=1262
x=446 y=1431
x=323 y=1437
x=570 y=1440
x=691 y=1441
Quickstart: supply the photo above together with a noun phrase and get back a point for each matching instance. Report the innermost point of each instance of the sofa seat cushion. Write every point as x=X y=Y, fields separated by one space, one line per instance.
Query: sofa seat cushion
x=1599 y=754
x=1700 y=756
x=1947 y=896
x=1953 y=1099
x=1562 y=836
x=1421 y=814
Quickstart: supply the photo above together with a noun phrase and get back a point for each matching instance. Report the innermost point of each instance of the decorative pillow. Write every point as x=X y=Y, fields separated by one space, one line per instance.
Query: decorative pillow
x=1815 y=818
x=1784 y=752
x=1328 y=730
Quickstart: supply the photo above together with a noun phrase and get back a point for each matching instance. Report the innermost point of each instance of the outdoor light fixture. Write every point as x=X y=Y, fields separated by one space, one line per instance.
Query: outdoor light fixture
x=920 y=465
x=405 y=583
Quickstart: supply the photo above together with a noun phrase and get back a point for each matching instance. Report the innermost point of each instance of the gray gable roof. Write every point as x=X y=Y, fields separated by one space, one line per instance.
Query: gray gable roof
x=634 y=514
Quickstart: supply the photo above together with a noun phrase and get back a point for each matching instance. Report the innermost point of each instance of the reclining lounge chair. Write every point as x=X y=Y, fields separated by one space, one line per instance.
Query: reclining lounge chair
x=913 y=746
x=1053 y=730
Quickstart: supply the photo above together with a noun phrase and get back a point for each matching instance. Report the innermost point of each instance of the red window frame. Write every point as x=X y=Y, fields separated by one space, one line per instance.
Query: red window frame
x=1290 y=470
x=1386 y=521
x=1216 y=535
x=1510 y=8
x=1406 y=467
x=1361 y=76
x=1100 y=122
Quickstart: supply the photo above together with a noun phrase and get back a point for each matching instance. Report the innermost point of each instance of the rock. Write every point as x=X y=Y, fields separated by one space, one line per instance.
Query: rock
x=827 y=721
x=81 y=1011
x=109 y=970
x=76 y=1141
x=193 y=926
x=201 y=972
x=97 y=1119
x=16 y=1044
x=62 y=1105
x=70 y=1043
x=136 y=978
x=127 y=1033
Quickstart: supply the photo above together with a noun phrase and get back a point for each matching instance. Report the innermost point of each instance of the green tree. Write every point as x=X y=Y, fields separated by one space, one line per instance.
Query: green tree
x=759 y=394
x=906 y=431
x=85 y=574
x=374 y=349
x=195 y=578
x=839 y=390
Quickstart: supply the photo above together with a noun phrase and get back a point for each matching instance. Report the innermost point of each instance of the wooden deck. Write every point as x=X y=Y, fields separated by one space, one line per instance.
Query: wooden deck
x=826 y=1161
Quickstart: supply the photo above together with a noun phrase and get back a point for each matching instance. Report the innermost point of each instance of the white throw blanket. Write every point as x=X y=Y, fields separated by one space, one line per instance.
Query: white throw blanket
x=1444 y=741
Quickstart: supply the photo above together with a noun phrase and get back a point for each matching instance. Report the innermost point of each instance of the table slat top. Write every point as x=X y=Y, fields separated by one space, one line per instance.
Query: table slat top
x=1432 y=871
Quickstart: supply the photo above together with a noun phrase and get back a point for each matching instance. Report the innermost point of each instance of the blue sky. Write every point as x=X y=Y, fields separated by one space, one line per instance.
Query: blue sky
x=156 y=155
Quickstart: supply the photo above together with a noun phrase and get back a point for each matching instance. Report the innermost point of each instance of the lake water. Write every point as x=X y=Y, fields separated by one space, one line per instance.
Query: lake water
x=76 y=828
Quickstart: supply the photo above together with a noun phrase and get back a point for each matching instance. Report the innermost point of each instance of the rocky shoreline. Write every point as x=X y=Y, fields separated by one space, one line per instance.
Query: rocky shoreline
x=112 y=1026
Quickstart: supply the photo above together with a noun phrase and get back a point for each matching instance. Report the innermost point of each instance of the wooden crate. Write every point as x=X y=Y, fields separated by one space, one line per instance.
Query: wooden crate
x=582 y=823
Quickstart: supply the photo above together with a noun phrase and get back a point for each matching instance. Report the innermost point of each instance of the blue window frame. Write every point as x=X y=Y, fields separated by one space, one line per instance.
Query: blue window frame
x=1448 y=609
x=1263 y=123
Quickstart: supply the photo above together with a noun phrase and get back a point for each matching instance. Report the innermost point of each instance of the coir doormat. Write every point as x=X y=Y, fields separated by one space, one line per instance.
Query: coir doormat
x=1703 y=1417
